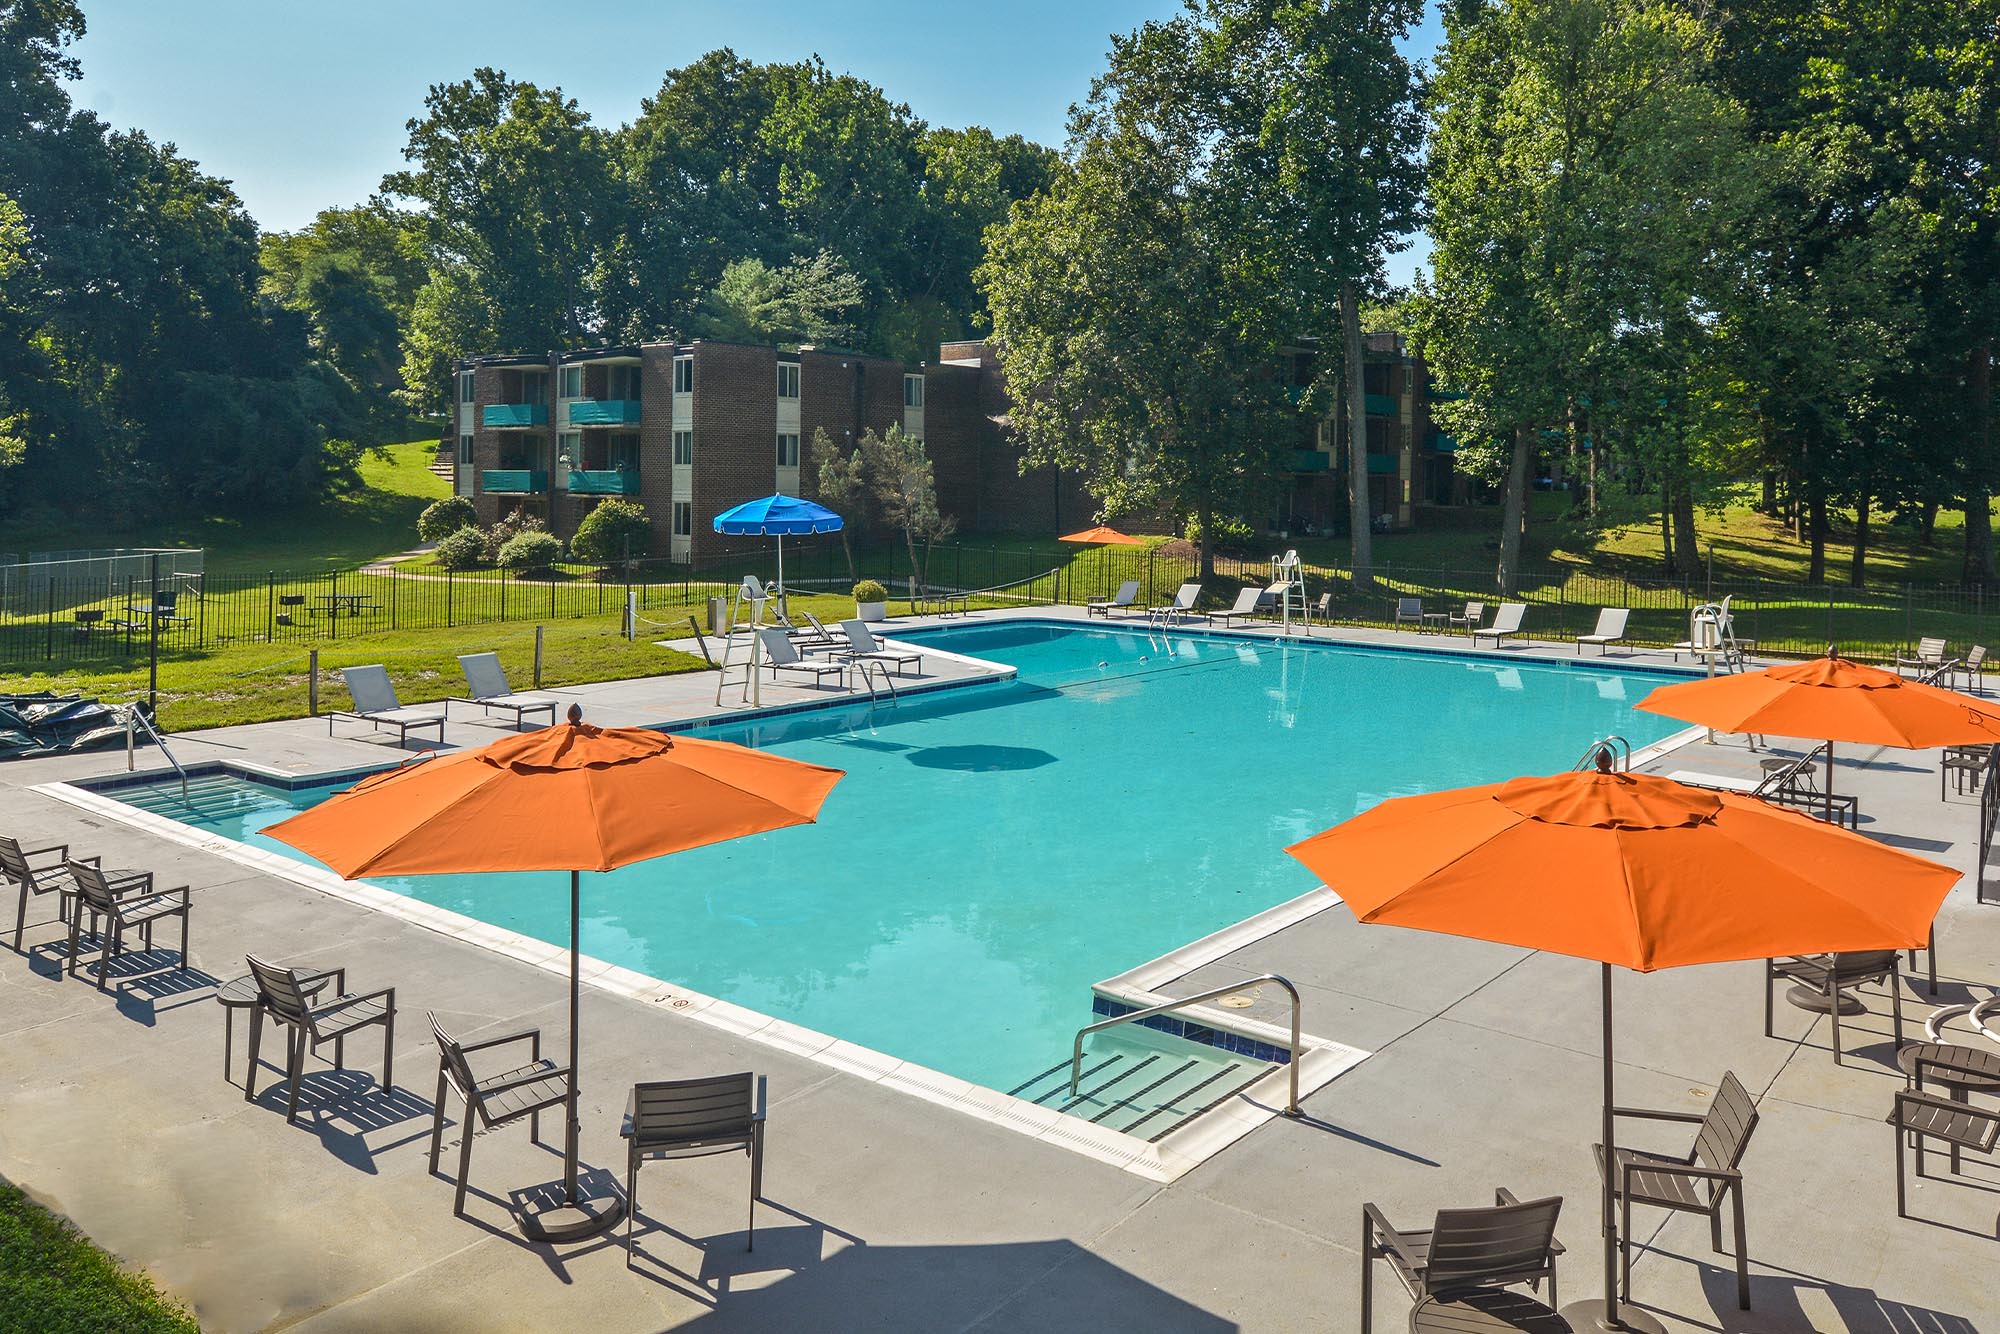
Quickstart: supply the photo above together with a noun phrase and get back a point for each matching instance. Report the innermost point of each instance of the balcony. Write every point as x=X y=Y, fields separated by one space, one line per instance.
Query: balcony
x=1311 y=460
x=513 y=481
x=1383 y=405
x=599 y=483
x=514 y=416
x=604 y=412
x=1443 y=443
x=1384 y=465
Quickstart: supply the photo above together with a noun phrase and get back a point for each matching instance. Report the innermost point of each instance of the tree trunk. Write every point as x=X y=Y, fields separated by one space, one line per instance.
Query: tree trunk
x=1687 y=548
x=1979 y=484
x=1667 y=529
x=1360 y=534
x=1927 y=522
x=1816 y=535
x=847 y=549
x=1857 y=570
x=1514 y=512
x=1770 y=503
x=1205 y=517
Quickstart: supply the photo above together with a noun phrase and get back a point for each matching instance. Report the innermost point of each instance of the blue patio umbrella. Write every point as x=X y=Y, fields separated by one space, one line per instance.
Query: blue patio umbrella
x=778 y=516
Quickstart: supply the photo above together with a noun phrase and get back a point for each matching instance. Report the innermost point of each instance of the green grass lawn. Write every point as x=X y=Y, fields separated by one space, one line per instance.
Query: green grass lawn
x=54 y=1281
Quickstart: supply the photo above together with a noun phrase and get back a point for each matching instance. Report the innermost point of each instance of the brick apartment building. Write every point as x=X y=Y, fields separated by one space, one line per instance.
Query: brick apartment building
x=690 y=429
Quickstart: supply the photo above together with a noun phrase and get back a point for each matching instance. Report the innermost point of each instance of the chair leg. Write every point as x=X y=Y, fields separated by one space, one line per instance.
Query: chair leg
x=1715 y=1228
x=75 y=939
x=1902 y=1200
x=1367 y=1276
x=631 y=1201
x=389 y=1052
x=113 y=937
x=437 y=1121
x=21 y=917
x=464 y=1160
x=184 y=941
x=1896 y=1004
x=298 y=1074
x=1833 y=1012
x=250 y=1071
x=1624 y=1246
x=750 y=1234
x=1742 y=1247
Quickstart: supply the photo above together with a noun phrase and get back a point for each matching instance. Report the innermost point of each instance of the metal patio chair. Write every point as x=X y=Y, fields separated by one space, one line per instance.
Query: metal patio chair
x=1919 y=1116
x=52 y=876
x=1469 y=619
x=116 y=905
x=692 y=1118
x=1701 y=1182
x=1464 y=1250
x=496 y=1100
x=1833 y=976
x=281 y=995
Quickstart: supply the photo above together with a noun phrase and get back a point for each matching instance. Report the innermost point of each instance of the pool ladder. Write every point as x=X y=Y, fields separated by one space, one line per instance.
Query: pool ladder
x=888 y=680
x=1621 y=754
x=135 y=720
x=1213 y=993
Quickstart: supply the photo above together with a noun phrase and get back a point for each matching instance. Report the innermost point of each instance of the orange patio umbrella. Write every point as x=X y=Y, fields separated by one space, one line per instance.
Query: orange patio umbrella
x=1104 y=537
x=567 y=798
x=1625 y=869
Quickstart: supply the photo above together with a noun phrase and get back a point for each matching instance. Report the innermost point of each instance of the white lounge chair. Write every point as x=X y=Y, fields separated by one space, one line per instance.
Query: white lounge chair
x=486 y=680
x=1246 y=604
x=1182 y=605
x=781 y=656
x=1410 y=611
x=1469 y=619
x=1506 y=622
x=1610 y=630
x=1126 y=596
x=862 y=644
x=375 y=702
x=1930 y=659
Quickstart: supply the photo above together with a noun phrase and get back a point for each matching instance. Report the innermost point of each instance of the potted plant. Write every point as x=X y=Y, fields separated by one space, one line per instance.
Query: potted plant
x=871 y=601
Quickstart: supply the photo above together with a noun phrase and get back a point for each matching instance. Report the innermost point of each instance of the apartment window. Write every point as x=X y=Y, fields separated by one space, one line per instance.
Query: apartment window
x=532 y=387
x=683 y=446
x=683 y=518
x=788 y=379
x=465 y=450
x=913 y=391
x=788 y=449
x=683 y=375
x=632 y=379
x=465 y=386
x=572 y=382
x=570 y=444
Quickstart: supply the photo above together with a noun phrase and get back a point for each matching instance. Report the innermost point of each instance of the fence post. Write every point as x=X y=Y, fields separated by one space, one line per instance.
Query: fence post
x=395 y=587
x=152 y=644
x=503 y=594
x=552 y=592
x=449 y=584
x=312 y=683
x=333 y=602
x=270 y=605
x=201 y=610
x=538 y=655
x=1906 y=617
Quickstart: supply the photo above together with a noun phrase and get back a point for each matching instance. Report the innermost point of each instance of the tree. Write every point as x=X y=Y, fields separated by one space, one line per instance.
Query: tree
x=904 y=485
x=808 y=300
x=614 y=530
x=843 y=487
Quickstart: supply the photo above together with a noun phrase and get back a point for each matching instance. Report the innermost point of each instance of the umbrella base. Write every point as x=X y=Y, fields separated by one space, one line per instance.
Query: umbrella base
x=1592 y=1316
x=1811 y=998
x=558 y=1220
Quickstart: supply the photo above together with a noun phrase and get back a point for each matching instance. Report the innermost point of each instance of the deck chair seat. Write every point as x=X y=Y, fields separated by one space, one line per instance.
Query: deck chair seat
x=780 y=655
x=862 y=645
x=1467 y=620
x=375 y=702
x=1248 y=600
x=1662 y=1186
x=1610 y=630
x=488 y=688
x=1506 y=623
x=285 y=996
x=1929 y=657
x=1125 y=597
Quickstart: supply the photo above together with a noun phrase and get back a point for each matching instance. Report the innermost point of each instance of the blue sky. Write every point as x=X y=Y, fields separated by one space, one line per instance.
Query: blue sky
x=303 y=106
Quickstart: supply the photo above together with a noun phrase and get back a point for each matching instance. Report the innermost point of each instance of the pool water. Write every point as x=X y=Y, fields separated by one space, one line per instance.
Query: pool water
x=995 y=850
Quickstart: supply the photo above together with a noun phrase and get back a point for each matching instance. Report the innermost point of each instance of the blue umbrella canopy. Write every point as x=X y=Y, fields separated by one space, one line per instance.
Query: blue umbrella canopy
x=777 y=516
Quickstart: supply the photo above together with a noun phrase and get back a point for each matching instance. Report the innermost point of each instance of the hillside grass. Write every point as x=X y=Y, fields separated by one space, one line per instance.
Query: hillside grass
x=54 y=1280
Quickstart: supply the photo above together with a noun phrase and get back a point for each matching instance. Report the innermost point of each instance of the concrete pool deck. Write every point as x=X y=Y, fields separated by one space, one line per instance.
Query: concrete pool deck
x=888 y=1212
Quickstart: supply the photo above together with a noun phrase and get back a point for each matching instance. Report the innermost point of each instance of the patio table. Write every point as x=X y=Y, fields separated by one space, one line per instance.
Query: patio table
x=241 y=994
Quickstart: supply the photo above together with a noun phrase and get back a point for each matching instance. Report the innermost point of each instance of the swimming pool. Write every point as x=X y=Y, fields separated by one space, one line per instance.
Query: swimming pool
x=997 y=849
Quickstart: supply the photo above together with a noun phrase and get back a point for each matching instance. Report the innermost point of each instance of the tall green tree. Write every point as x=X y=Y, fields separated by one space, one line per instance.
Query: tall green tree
x=809 y=300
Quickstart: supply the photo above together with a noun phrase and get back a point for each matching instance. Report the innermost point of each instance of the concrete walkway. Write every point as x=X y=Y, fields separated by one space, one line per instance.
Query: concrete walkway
x=886 y=1212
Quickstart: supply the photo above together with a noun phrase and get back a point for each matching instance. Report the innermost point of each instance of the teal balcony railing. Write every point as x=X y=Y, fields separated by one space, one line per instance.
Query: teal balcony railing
x=604 y=412
x=602 y=483
x=1384 y=464
x=513 y=416
x=1443 y=443
x=513 y=481
x=1383 y=405
x=1311 y=460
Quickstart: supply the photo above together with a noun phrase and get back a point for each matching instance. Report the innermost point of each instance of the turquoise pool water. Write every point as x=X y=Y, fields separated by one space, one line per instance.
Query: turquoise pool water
x=1005 y=846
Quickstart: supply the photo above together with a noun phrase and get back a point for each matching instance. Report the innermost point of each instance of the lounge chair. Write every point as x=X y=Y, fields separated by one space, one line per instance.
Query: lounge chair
x=1974 y=668
x=375 y=702
x=281 y=996
x=1245 y=606
x=1410 y=611
x=496 y=1100
x=1464 y=1250
x=1928 y=660
x=1469 y=619
x=487 y=681
x=1126 y=596
x=1919 y=1116
x=692 y=1118
x=1832 y=976
x=781 y=656
x=1701 y=1182
x=816 y=638
x=115 y=905
x=862 y=645
x=1506 y=622
x=18 y=864
x=1610 y=630
x=1182 y=605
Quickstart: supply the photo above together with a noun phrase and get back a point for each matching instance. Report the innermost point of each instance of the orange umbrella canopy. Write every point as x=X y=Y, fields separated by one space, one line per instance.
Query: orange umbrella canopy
x=1104 y=536
x=1626 y=869
x=1834 y=699
x=572 y=797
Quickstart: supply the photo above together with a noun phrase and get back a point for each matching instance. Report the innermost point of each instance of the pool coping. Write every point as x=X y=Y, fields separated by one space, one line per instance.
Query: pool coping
x=1172 y=1156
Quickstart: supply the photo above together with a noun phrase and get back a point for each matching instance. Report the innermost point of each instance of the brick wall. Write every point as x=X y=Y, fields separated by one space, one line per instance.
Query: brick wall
x=656 y=441
x=735 y=437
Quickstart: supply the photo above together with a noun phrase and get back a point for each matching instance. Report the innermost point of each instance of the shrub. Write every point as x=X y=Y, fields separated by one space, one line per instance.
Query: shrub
x=870 y=591
x=531 y=551
x=463 y=549
x=442 y=518
x=1230 y=534
x=505 y=531
x=606 y=531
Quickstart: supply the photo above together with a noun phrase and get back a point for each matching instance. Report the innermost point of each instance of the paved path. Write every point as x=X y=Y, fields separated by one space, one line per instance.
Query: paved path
x=887 y=1212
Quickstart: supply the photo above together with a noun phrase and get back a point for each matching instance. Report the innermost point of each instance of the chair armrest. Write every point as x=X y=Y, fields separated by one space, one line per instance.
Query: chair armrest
x=139 y=885
x=1387 y=1237
x=534 y=1033
x=1648 y=1114
x=1631 y=1168
x=763 y=1098
x=521 y=1081
x=339 y=976
x=62 y=853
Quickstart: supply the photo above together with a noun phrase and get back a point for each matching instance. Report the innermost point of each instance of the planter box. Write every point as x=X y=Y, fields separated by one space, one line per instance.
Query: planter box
x=872 y=611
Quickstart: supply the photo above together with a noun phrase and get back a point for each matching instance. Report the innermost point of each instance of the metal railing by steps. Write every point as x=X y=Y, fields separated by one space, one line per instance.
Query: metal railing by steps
x=1296 y=1047
x=136 y=721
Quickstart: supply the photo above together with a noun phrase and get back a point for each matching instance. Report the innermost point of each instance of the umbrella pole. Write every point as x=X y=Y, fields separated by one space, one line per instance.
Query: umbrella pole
x=783 y=610
x=1829 y=782
x=575 y=986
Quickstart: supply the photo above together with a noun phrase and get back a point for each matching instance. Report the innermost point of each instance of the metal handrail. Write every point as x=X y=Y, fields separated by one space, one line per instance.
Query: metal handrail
x=1619 y=747
x=887 y=679
x=1297 y=1047
x=134 y=716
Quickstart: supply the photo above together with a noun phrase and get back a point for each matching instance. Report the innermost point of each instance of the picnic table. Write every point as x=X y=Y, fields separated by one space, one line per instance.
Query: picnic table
x=353 y=603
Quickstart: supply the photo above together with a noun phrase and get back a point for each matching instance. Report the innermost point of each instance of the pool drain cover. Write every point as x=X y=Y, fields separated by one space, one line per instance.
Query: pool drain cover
x=1239 y=1001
